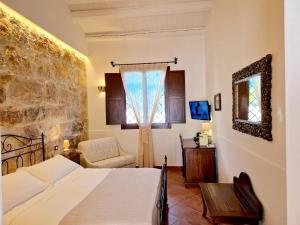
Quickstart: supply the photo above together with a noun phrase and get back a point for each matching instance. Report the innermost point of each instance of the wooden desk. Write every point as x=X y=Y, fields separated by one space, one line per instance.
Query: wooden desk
x=198 y=163
x=231 y=203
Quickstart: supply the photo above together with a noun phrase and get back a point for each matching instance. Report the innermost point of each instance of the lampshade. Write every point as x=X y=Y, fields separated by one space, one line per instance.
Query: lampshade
x=206 y=126
x=66 y=145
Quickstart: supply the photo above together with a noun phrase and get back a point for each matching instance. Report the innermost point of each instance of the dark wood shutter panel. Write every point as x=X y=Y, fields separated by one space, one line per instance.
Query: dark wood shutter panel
x=243 y=100
x=175 y=96
x=115 y=99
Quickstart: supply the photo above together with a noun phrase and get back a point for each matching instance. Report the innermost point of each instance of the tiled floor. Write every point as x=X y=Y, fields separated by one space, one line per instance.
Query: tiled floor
x=185 y=204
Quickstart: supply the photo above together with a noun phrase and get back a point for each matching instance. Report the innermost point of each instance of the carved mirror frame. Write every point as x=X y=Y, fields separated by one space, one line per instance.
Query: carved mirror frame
x=263 y=129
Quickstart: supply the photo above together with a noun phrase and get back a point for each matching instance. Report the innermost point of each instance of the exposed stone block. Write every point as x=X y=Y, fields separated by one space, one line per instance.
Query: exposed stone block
x=10 y=116
x=32 y=114
x=5 y=79
x=32 y=130
x=51 y=92
x=2 y=95
x=26 y=91
x=77 y=126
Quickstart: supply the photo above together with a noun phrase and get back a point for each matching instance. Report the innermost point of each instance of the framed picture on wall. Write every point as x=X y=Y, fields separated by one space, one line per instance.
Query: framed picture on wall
x=218 y=102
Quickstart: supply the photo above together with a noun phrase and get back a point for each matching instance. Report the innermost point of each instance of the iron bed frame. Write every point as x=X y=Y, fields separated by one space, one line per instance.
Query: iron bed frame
x=162 y=203
x=17 y=147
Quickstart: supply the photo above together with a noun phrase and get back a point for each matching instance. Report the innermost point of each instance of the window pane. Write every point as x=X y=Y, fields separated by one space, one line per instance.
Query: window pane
x=130 y=117
x=160 y=115
x=153 y=81
x=254 y=110
x=134 y=84
x=137 y=86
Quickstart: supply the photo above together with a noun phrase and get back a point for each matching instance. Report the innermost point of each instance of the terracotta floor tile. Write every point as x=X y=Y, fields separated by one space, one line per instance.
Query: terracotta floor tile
x=181 y=222
x=171 y=219
x=185 y=204
x=194 y=203
x=181 y=210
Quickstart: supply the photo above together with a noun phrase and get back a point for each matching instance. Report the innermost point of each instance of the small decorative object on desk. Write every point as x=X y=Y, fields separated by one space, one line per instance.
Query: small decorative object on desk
x=218 y=102
x=196 y=139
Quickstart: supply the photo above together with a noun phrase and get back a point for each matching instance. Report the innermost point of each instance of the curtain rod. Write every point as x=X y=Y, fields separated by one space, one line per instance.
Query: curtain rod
x=126 y=64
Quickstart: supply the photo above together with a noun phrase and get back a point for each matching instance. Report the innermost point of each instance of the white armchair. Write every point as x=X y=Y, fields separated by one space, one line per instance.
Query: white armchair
x=104 y=153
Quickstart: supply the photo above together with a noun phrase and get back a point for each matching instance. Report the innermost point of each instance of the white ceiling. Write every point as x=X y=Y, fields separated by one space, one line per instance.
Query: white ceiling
x=114 y=19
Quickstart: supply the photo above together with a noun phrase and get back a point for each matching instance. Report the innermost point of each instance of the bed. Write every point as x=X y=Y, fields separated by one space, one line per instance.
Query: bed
x=60 y=192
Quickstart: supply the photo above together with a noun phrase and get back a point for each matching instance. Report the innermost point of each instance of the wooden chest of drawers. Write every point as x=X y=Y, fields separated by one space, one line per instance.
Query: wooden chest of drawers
x=198 y=163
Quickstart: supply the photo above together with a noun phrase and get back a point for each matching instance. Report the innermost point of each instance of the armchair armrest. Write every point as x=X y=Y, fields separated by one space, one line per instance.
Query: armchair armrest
x=85 y=163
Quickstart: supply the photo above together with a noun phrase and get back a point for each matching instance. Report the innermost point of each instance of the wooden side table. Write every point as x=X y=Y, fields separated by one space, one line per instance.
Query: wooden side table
x=73 y=156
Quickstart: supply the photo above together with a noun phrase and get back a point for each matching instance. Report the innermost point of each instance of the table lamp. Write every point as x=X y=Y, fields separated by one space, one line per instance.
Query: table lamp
x=66 y=145
x=206 y=127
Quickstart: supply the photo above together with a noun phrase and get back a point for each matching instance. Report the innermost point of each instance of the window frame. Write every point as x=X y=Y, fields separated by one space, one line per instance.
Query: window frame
x=175 y=107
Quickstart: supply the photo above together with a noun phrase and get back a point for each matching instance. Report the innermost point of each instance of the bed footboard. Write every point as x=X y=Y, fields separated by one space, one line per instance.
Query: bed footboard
x=162 y=204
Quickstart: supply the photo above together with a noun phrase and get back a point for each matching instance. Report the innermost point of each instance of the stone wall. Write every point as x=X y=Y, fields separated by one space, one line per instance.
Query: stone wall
x=42 y=85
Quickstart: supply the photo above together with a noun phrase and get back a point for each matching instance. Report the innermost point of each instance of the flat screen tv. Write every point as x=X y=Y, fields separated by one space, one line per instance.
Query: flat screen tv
x=200 y=110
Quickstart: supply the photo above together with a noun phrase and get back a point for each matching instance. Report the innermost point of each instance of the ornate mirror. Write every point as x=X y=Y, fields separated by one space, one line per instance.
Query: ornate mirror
x=251 y=92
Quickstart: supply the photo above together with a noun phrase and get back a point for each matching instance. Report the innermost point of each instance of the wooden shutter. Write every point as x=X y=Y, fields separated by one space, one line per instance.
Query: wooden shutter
x=175 y=96
x=115 y=99
x=243 y=100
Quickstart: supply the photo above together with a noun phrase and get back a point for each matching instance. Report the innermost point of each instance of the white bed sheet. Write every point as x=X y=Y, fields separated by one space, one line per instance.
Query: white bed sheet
x=55 y=202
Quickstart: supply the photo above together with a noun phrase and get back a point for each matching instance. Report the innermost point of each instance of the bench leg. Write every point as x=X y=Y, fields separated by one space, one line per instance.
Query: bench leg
x=204 y=211
x=204 y=207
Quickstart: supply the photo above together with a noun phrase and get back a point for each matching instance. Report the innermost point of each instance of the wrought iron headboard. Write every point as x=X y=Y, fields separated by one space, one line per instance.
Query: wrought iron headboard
x=17 y=147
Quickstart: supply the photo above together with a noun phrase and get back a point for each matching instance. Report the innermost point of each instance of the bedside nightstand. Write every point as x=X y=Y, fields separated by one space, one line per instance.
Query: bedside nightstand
x=73 y=156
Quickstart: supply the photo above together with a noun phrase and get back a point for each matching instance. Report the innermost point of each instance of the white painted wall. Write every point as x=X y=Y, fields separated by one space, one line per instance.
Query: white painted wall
x=189 y=50
x=292 y=87
x=54 y=17
x=239 y=33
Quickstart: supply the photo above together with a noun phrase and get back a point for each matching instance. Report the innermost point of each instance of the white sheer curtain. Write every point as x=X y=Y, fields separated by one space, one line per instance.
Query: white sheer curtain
x=143 y=86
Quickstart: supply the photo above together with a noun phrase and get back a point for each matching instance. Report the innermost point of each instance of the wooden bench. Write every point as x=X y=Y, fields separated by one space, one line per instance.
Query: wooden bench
x=231 y=203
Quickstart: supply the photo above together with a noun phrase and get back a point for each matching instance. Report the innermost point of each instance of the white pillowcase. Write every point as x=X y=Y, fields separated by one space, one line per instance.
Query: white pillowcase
x=52 y=170
x=19 y=187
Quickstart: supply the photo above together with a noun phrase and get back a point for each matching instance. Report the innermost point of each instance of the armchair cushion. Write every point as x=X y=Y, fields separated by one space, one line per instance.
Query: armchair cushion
x=99 y=149
x=116 y=162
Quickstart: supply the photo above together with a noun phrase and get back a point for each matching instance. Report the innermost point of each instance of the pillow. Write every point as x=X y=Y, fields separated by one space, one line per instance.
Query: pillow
x=18 y=187
x=52 y=170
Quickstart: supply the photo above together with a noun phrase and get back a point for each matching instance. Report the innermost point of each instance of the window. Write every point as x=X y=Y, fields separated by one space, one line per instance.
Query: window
x=171 y=106
x=144 y=89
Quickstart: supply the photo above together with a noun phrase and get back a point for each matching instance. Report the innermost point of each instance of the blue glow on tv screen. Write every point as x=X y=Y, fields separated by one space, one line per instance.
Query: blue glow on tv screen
x=200 y=110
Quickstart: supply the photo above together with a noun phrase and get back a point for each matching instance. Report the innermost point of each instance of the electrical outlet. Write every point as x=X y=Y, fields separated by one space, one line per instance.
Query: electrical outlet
x=55 y=147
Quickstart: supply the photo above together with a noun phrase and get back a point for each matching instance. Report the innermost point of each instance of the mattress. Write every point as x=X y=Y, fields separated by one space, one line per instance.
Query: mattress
x=94 y=197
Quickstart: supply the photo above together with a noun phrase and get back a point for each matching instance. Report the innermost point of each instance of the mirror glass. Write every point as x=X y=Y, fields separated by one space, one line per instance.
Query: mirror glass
x=247 y=93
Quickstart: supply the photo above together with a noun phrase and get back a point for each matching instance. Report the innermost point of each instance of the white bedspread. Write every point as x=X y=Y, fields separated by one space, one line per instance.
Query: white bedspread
x=51 y=206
